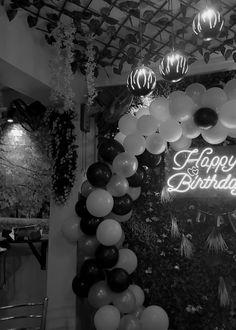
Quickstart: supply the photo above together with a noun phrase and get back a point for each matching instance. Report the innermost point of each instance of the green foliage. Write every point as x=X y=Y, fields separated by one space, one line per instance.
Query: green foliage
x=63 y=153
x=186 y=288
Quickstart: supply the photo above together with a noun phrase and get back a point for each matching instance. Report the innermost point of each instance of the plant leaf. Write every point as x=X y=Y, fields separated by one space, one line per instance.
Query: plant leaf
x=148 y=15
x=191 y=60
x=38 y=4
x=126 y=5
x=110 y=20
x=227 y=54
x=117 y=70
x=86 y=14
x=200 y=50
x=52 y=17
x=32 y=20
x=183 y=9
x=105 y=11
x=222 y=49
x=11 y=14
x=234 y=56
x=130 y=38
x=50 y=39
x=206 y=57
x=51 y=27
x=134 y=12
x=229 y=41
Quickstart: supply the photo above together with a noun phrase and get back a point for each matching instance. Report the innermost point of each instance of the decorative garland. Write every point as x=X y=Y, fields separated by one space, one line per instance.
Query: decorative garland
x=90 y=71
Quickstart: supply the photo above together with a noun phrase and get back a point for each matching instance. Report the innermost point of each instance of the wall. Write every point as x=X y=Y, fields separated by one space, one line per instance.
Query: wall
x=25 y=280
x=24 y=172
x=62 y=257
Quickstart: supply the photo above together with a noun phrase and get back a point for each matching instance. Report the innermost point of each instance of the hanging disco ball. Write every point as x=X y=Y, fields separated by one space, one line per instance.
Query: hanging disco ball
x=174 y=66
x=141 y=81
x=208 y=24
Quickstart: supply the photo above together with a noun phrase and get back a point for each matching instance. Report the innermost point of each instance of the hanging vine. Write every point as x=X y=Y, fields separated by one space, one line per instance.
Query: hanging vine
x=90 y=71
x=61 y=115
x=61 y=72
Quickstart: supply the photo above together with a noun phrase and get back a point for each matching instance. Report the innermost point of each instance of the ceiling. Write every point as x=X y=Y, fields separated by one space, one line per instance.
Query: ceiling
x=123 y=30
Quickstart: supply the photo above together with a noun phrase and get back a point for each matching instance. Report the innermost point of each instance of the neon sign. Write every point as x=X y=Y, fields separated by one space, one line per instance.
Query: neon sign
x=202 y=169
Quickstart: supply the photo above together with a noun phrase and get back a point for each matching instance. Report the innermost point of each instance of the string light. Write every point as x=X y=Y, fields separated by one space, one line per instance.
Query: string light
x=174 y=66
x=208 y=24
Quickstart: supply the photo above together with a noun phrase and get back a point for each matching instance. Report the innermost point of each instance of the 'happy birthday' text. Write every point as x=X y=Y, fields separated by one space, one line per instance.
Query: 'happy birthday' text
x=200 y=170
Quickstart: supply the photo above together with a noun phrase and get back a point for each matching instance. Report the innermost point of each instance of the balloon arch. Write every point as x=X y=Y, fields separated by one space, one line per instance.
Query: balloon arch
x=114 y=183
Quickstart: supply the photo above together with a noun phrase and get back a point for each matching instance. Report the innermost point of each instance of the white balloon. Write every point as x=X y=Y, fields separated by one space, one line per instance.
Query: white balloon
x=170 y=130
x=107 y=318
x=109 y=232
x=142 y=112
x=155 y=144
x=99 y=203
x=230 y=89
x=195 y=91
x=147 y=125
x=118 y=185
x=190 y=129
x=134 y=192
x=231 y=132
x=127 y=124
x=181 y=144
x=70 y=229
x=214 y=98
x=120 y=137
x=134 y=144
x=227 y=114
x=181 y=106
x=127 y=260
x=159 y=108
x=138 y=293
x=215 y=135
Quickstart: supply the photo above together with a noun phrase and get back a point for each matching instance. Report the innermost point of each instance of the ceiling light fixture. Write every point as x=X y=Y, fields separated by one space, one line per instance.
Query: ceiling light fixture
x=142 y=80
x=174 y=65
x=208 y=24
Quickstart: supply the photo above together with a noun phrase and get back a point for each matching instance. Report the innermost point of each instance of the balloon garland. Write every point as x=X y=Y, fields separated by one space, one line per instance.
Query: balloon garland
x=115 y=181
x=106 y=200
x=178 y=119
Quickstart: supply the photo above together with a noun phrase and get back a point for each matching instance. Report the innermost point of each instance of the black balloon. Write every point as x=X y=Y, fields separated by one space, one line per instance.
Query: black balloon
x=81 y=209
x=91 y=271
x=137 y=178
x=99 y=174
x=89 y=225
x=205 y=118
x=109 y=149
x=122 y=205
x=80 y=286
x=118 y=279
x=107 y=256
x=148 y=159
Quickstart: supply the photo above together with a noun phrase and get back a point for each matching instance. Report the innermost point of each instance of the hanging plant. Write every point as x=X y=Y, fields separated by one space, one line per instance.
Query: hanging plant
x=63 y=152
x=61 y=116
x=61 y=71
x=90 y=71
